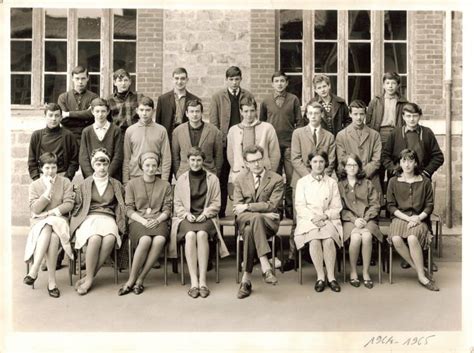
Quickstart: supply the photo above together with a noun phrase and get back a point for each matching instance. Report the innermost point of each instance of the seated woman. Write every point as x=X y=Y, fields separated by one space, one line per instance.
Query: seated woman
x=318 y=206
x=51 y=198
x=149 y=201
x=98 y=218
x=410 y=202
x=361 y=207
x=197 y=201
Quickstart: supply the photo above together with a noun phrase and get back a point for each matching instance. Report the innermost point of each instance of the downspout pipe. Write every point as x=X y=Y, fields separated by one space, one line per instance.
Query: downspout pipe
x=448 y=94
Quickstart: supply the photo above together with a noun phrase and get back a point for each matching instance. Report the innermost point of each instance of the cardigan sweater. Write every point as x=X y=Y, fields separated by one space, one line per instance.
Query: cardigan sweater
x=123 y=109
x=80 y=115
x=284 y=119
x=70 y=151
x=112 y=142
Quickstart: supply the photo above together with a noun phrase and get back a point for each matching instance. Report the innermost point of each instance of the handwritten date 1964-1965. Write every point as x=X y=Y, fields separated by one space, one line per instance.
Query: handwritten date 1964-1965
x=391 y=340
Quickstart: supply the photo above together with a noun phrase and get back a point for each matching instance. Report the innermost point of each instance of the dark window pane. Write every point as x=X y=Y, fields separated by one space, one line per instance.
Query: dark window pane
x=291 y=24
x=89 y=23
x=55 y=56
x=359 y=24
x=20 y=56
x=94 y=83
x=291 y=57
x=325 y=24
x=403 y=86
x=359 y=57
x=125 y=56
x=20 y=89
x=395 y=25
x=54 y=85
x=21 y=22
x=333 y=79
x=295 y=86
x=125 y=24
x=55 y=23
x=359 y=88
x=89 y=55
x=396 y=57
x=325 y=57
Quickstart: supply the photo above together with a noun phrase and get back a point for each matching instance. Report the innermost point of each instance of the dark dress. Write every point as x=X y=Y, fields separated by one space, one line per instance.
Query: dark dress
x=198 y=188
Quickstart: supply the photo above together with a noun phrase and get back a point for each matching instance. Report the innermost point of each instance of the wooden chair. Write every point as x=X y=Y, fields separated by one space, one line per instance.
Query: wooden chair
x=71 y=269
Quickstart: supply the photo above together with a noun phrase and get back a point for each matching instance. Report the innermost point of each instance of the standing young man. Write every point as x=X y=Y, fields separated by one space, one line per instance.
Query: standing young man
x=282 y=110
x=225 y=113
x=75 y=103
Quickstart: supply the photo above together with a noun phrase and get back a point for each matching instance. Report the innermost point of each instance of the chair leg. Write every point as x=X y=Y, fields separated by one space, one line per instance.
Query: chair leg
x=300 y=267
x=380 y=261
x=343 y=263
x=217 y=261
x=237 y=260
x=181 y=251
x=166 y=265
x=430 y=260
x=273 y=253
x=390 y=264
x=282 y=260
x=440 y=241
x=129 y=256
x=71 y=270
x=115 y=266
x=79 y=251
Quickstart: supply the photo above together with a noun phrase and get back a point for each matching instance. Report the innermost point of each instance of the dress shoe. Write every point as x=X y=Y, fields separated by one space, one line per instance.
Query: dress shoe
x=334 y=286
x=320 y=285
x=244 y=290
x=124 y=290
x=404 y=264
x=269 y=277
x=28 y=280
x=368 y=283
x=138 y=289
x=430 y=286
x=354 y=282
x=193 y=292
x=54 y=292
x=204 y=292
x=288 y=265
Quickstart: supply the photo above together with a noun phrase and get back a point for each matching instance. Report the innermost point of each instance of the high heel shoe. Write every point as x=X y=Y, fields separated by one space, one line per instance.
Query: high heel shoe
x=55 y=293
x=28 y=280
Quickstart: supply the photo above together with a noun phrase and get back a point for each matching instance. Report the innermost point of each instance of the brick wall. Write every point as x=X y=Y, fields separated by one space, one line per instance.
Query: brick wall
x=456 y=97
x=149 y=51
x=263 y=52
x=206 y=43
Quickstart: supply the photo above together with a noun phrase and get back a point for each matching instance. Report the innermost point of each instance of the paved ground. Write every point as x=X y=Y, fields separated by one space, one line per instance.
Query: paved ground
x=402 y=306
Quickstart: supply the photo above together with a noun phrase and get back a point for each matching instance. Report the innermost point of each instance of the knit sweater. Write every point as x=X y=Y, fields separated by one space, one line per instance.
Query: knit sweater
x=80 y=115
x=284 y=119
x=112 y=142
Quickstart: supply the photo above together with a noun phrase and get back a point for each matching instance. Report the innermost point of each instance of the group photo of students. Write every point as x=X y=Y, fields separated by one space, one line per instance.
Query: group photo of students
x=140 y=180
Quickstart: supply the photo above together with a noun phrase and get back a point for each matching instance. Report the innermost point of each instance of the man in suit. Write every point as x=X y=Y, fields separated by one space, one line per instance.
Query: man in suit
x=305 y=140
x=224 y=113
x=258 y=195
x=193 y=133
x=170 y=107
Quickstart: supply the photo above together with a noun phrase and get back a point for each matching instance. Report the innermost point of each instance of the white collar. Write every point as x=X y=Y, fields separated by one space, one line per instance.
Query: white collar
x=236 y=92
x=261 y=175
x=105 y=127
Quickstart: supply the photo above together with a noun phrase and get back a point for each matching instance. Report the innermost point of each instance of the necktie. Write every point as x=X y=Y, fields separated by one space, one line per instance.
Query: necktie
x=257 y=181
x=315 y=138
x=234 y=92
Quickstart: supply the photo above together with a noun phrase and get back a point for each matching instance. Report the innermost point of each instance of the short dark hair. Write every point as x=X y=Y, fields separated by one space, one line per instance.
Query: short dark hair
x=321 y=78
x=144 y=100
x=52 y=107
x=99 y=102
x=321 y=153
x=196 y=151
x=79 y=70
x=408 y=154
x=47 y=158
x=412 y=108
x=314 y=104
x=121 y=73
x=179 y=70
x=194 y=103
x=252 y=149
x=280 y=73
x=342 y=171
x=391 y=76
x=357 y=104
x=233 y=71
x=248 y=101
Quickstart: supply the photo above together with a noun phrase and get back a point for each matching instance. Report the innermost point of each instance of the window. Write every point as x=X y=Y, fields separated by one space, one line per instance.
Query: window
x=21 y=45
x=353 y=48
x=59 y=40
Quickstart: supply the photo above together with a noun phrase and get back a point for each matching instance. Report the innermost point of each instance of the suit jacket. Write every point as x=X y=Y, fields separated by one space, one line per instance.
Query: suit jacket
x=339 y=113
x=302 y=144
x=268 y=197
x=166 y=110
x=219 y=110
x=182 y=206
x=210 y=143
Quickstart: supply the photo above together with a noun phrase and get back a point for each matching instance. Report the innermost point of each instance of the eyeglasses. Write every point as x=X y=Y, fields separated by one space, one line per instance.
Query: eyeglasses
x=351 y=165
x=255 y=161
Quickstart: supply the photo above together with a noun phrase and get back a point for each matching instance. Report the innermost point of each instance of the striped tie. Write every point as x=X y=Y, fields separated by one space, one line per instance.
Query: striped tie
x=257 y=181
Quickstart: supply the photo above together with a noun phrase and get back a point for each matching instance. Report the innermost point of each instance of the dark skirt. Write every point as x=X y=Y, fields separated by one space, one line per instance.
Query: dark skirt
x=137 y=230
x=206 y=226
x=372 y=227
x=421 y=231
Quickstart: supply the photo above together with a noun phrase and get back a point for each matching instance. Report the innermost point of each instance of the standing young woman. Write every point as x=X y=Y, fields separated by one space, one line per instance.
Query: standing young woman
x=98 y=218
x=149 y=201
x=51 y=198
x=318 y=207
x=410 y=202
x=361 y=207
x=197 y=201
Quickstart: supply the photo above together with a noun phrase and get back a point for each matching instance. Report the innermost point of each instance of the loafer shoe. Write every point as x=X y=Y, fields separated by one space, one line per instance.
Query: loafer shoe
x=269 y=277
x=124 y=290
x=54 y=293
x=244 y=290
x=334 y=286
x=193 y=292
x=320 y=285
x=368 y=283
x=204 y=292
x=138 y=289
x=430 y=286
x=354 y=282
x=28 y=280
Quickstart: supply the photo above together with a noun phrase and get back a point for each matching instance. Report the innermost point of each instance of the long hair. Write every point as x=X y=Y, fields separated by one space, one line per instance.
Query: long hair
x=342 y=169
x=410 y=155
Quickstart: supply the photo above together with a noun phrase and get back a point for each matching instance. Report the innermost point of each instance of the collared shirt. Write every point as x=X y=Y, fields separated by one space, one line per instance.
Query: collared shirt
x=79 y=96
x=179 y=100
x=255 y=177
x=100 y=131
x=231 y=91
x=417 y=129
x=389 y=111
x=279 y=98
